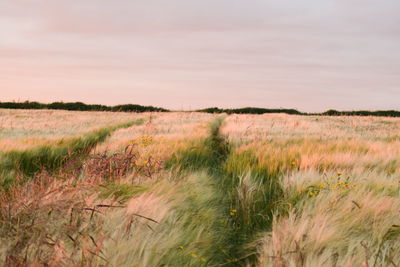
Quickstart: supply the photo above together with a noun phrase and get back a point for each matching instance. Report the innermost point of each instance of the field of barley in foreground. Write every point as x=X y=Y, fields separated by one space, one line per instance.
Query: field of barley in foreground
x=196 y=189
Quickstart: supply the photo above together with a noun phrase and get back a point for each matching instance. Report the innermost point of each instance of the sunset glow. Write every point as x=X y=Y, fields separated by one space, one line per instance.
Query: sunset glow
x=179 y=54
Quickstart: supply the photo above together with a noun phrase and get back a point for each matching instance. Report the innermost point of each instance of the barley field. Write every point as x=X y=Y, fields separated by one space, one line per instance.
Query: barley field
x=197 y=189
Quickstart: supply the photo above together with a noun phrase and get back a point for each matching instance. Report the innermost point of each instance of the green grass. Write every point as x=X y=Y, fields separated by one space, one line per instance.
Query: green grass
x=23 y=165
x=121 y=191
x=208 y=153
x=188 y=216
x=245 y=188
x=216 y=203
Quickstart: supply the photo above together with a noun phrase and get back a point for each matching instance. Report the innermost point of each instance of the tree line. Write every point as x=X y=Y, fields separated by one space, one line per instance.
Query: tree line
x=79 y=106
x=331 y=112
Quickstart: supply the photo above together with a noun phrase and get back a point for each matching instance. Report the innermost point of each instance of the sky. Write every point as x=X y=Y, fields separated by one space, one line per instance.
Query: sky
x=189 y=54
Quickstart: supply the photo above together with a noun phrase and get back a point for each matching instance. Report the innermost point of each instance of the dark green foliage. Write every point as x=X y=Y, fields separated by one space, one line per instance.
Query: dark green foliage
x=137 y=108
x=79 y=106
x=212 y=110
x=382 y=113
x=250 y=110
x=331 y=112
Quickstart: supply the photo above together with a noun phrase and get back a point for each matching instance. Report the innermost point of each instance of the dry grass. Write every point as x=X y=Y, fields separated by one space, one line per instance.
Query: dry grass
x=24 y=129
x=245 y=128
x=341 y=180
x=283 y=191
x=160 y=136
x=338 y=225
x=355 y=144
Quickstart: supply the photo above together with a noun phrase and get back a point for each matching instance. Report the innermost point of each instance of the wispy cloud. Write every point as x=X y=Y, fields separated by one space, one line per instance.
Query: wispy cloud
x=340 y=54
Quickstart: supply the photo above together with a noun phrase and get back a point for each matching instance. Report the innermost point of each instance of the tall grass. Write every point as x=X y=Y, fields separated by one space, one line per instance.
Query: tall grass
x=207 y=153
x=185 y=217
x=254 y=191
x=25 y=164
x=337 y=223
x=247 y=190
x=25 y=129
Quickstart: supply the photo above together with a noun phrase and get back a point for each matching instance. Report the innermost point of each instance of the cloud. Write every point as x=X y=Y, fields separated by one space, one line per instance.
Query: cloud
x=259 y=52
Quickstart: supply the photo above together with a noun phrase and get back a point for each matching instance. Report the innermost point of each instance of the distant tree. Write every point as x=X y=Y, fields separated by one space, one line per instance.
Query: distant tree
x=138 y=108
x=79 y=106
x=211 y=110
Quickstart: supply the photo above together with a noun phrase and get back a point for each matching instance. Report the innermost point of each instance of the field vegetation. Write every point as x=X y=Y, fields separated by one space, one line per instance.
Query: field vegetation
x=79 y=106
x=198 y=189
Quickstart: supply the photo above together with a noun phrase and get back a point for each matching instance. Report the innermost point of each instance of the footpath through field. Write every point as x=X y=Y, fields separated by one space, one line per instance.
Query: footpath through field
x=243 y=195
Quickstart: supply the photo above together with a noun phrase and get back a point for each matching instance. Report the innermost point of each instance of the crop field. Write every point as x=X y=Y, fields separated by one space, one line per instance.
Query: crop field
x=198 y=189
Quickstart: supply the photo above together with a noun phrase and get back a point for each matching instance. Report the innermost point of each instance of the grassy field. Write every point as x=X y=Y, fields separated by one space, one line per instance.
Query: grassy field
x=197 y=189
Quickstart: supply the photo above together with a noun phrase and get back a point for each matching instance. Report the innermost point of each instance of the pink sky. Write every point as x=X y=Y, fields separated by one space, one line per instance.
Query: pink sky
x=309 y=55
